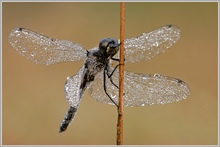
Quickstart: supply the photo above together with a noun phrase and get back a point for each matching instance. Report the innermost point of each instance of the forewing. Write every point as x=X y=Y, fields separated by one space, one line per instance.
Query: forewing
x=142 y=89
x=148 y=45
x=44 y=50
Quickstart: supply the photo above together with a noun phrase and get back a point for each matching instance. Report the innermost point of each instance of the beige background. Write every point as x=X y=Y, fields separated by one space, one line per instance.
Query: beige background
x=33 y=97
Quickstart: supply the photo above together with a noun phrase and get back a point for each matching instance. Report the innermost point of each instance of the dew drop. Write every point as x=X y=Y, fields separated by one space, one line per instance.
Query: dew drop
x=72 y=59
x=66 y=88
x=49 y=58
x=25 y=32
x=155 y=44
x=151 y=103
x=23 y=50
x=157 y=75
x=185 y=97
x=162 y=103
x=33 y=54
x=144 y=78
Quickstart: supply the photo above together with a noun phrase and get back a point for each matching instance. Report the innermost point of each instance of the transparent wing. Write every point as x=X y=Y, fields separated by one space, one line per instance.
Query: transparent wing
x=72 y=88
x=141 y=89
x=148 y=45
x=44 y=50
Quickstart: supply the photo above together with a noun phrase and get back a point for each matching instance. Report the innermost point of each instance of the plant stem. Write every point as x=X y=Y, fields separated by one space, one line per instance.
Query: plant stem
x=121 y=77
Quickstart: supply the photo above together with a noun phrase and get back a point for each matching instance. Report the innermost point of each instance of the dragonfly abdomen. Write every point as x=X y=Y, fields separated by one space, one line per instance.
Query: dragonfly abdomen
x=68 y=118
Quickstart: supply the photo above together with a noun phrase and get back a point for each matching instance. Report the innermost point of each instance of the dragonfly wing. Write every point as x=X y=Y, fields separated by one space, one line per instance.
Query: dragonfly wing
x=44 y=50
x=142 y=89
x=73 y=89
x=148 y=45
x=96 y=89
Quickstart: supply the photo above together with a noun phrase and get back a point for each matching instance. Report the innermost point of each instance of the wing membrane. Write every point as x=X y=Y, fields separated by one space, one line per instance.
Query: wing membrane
x=72 y=88
x=148 y=45
x=44 y=50
x=141 y=89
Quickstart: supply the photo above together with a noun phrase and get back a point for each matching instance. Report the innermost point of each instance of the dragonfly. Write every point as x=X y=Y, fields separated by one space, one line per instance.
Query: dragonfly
x=97 y=73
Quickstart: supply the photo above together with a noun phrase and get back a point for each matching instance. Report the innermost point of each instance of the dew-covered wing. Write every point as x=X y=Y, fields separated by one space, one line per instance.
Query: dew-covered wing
x=141 y=89
x=148 y=45
x=72 y=88
x=44 y=50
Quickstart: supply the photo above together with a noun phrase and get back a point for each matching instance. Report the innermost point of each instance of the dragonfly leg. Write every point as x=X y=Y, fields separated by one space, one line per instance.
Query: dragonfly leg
x=104 y=81
x=115 y=59
x=110 y=75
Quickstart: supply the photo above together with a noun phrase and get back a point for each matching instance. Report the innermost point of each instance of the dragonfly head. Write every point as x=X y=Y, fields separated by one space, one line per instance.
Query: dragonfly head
x=108 y=47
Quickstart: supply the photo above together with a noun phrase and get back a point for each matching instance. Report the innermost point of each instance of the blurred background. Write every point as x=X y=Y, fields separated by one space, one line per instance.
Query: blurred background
x=33 y=97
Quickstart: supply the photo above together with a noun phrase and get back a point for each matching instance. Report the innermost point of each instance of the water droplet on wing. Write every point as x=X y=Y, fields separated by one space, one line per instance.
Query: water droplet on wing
x=155 y=44
x=157 y=75
x=33 y=54
x=23 y=50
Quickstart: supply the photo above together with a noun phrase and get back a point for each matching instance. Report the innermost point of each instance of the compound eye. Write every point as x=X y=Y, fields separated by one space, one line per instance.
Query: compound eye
x=104 y=43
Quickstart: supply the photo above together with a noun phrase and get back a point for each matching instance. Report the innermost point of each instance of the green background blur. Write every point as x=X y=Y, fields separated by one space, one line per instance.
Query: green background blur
x=33 y=96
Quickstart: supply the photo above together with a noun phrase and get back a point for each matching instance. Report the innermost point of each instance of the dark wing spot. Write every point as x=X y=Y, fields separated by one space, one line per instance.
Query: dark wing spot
x=179 y=81
x=169 y=26
x=20 y=29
